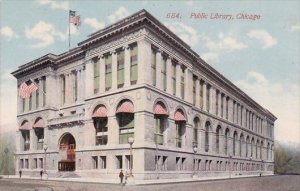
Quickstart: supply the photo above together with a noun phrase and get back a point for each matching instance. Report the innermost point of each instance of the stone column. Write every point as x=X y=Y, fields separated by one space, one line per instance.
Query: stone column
x=197 y=89
x=222 y=143
x=89 y=134
x=212 y=105
x=113 y=131
x=169 y=81
x=89 y=83
x=32 y=140
x=224 y=107
x=187 y=86
x=204 y=96
x=230 y=109
x=50 y=94
x=68 y=89
x=178 y=79
x=126 y=66
x=158 y=69
x=144 y=61
x=114 y=70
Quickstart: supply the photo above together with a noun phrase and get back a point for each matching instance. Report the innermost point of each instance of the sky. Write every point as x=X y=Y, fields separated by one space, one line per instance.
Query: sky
x=254 y=44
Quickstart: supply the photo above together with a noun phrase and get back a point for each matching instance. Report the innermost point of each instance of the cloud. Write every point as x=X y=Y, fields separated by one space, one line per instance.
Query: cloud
x=92 y=22
x=119 y=14
x=210 y=56
x=295 y=28
x=282 y=99
x=46 y=34
x=8 y=33
x=64 y=5
x=266 y=39
x=224 y=42
x=187 y=33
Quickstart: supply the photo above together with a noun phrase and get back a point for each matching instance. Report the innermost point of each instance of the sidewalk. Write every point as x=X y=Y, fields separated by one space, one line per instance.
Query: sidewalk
x=137 y=182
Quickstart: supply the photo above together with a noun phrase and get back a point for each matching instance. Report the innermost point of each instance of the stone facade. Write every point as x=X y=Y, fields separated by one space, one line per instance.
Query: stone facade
x=222 y=131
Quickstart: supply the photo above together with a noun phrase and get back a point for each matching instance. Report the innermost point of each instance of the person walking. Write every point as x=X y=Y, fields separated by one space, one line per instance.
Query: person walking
x=41 y=174
x=20 y=173
x=121 y=176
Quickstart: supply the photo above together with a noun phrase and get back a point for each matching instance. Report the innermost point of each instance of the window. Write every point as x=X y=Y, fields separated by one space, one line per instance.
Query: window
x=41 y=163
x=26 y=138
x=201 y=94
x=194 y=89
x=108 y=72
x=237 y=113
x=241 y=144
x=241 y=115
x=222 y=105
x=157 y=162
x=40 y=138
x=100 y=125
x=128 y=162
x=217 y=102
x=226 y=141
x=164 y=163
x=134 y=64
x=63 y=90
x=30 y=102
x=159 y=130
x=164 y=73
x=37 y=95
x=75 y=86
x=207 y=97
x=96 y=64
x=178 y=163
x=21 y=163
x=173 y=77
x=227 y=107
x=35 y=164
x=153 y=66
x=26 y=163
x=44 y=90
x=95 y=162
x=103 y=162
x=234 y=142
x=180 y=131
x=120 y=68
x=207 y=127
x=252 y=145
x=195 y=131
x=119 y=162
x=218 y=139
x=247 y=146
x=126 y=124
x=182 y=83
x=233 y=111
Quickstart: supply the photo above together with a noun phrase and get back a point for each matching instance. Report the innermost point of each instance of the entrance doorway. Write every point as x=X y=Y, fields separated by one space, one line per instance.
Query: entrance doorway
x=67 y=148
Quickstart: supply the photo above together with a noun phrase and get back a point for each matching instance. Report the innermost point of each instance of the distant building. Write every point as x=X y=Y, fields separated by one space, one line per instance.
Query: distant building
x=136 y=78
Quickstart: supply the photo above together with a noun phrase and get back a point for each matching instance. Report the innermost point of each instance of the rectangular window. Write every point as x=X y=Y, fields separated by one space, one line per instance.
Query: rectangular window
x=222 y=105
x=194 y=89
x=120 y=67
x=173 y=77
x=44 y=91
x=35 y=164
x=164 y=165
x=199 y=164
x=101 y=131
x=95 y=162
x=96 y=65
x=217 y=102
x=134 y=64
x=164 y=73
x=108 y=72
x=207 y=97
x=241 y=115
x=63 y=90
x=233 y=111
x=153 y=66
x=30 y=102
x=75 y=86
x=157 y=162
x=41 y=163
x=182 y=83
x=37 y=95
x=128 y=161
x=26 y=163
x=21 y=163
x=201 y=94
x=103 y=162
x=183 y=164
x=159 y=137
x=119 y=162
x=178 y=163
x=126 y=124
x=227 y=107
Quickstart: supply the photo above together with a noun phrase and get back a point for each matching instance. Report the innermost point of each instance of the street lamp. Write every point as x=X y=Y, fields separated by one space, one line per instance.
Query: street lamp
x=229 y=157
x=45 y=149
x=195 y=148
x=6 y=160
x=130 y=179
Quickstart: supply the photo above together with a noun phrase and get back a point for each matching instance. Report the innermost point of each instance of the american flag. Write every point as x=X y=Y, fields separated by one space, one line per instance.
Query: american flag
x=26 y=89
x=73 y=18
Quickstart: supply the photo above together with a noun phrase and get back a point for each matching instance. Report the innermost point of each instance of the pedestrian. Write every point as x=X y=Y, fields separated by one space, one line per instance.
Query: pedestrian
x=126 y=176
x=20 y=173
x=121 y=176
x=41 y=174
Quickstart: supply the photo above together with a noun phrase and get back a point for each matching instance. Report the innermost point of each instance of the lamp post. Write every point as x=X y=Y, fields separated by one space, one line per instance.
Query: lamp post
x=6 y=151
x=45 y=149
x=229 y=157
x=130 y=179
x=195 y=148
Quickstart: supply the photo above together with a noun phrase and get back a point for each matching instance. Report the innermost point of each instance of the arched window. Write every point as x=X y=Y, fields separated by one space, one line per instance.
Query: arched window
x=39 y=132
x=195 y=131
x=252 y=147
x=241 y=144
x=226 y=141
x=256 y=149
x=218 y=134
x=160 y=116
x=125 y=118
x=247 y=146
x=24 y=128
x=261 y=147
x=180 y=122
x=100 y=123
x=234 y=142
x=207 y=127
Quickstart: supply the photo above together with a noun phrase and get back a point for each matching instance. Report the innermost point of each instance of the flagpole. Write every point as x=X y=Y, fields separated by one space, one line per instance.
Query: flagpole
x=69 y=30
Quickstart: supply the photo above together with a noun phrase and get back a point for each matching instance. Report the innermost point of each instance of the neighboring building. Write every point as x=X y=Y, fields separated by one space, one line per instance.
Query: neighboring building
x=137 y=78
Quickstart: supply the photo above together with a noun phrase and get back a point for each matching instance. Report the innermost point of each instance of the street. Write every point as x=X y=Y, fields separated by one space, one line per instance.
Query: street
x=268 y=183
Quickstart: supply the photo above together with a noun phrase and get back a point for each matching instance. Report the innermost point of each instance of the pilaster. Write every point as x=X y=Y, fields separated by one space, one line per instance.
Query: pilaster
x=126 y=66
x=178 y=79
x=169 y=81
x=89 y=83
x=158 y=69
x=114 y=70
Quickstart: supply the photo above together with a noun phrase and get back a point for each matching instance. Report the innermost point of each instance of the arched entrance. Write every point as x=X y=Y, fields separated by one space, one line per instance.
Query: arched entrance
x=67 y=146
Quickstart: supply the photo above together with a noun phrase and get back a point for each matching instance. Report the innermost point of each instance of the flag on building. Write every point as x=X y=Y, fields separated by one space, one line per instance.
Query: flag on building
x=27 y=88
x=75 y=19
